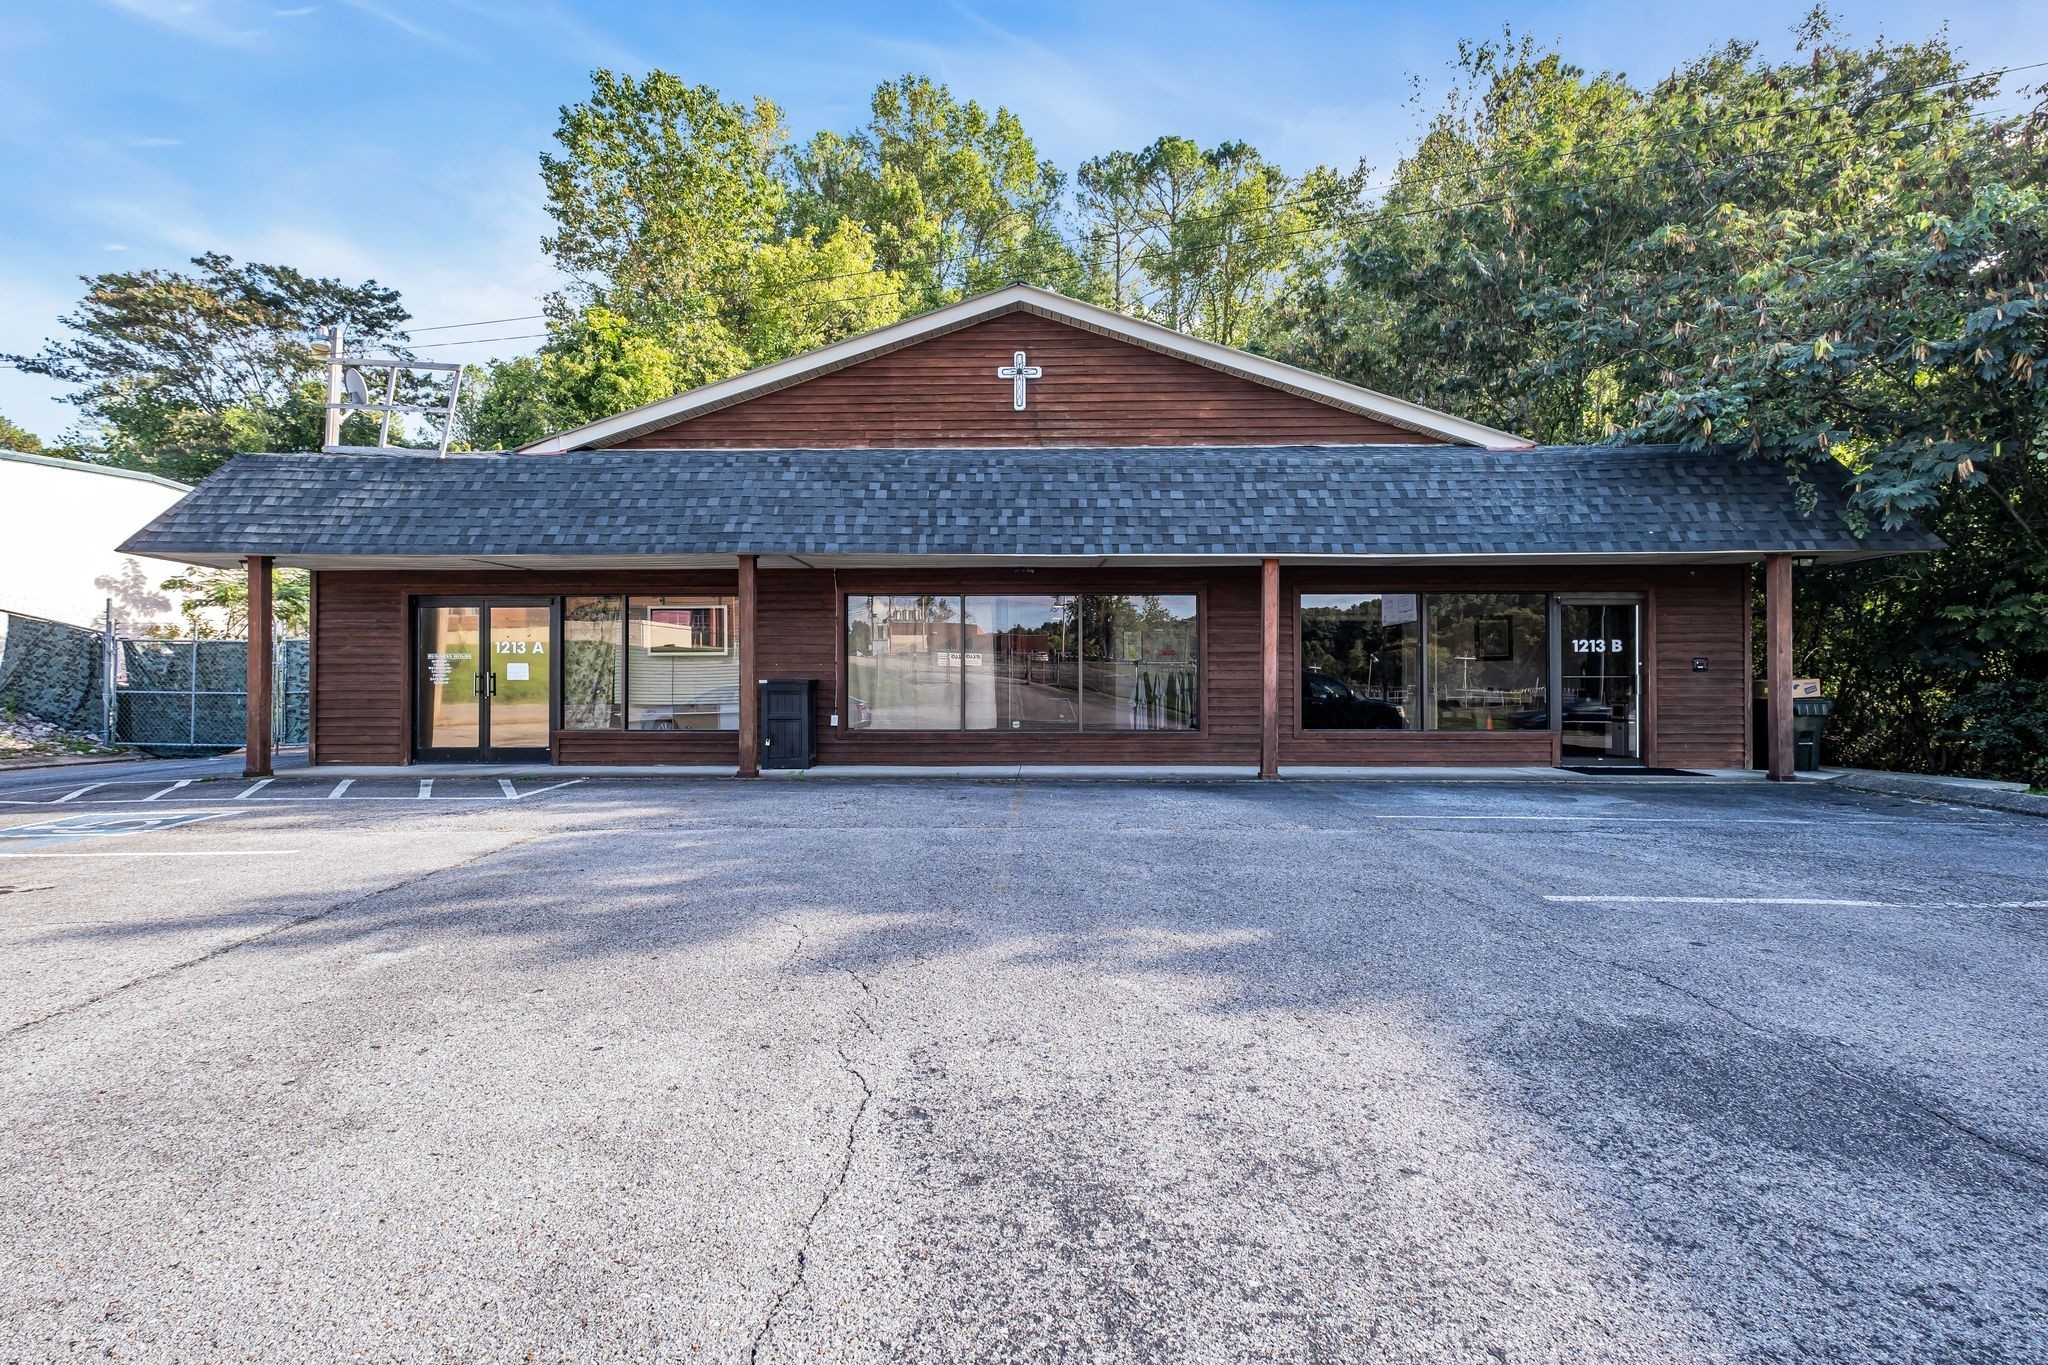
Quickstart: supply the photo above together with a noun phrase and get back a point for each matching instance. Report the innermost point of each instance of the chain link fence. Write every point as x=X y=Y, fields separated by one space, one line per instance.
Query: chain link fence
x=171 y=696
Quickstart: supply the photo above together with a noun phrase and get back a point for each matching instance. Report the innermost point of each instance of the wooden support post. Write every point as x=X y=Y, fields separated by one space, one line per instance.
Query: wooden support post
x=256 y=762
x=1269 y=668
x=1778 y=662
x=750 y=686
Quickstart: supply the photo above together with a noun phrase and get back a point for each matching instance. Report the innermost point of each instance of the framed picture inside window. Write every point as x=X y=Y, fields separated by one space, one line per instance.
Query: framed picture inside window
x=1493 y=637
x=688 y=630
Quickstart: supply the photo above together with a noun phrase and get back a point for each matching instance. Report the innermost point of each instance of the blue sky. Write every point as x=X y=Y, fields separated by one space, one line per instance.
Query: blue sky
x=396 y=140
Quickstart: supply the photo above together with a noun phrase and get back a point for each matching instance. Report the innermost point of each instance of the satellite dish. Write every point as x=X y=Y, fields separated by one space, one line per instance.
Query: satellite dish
x=352 y=381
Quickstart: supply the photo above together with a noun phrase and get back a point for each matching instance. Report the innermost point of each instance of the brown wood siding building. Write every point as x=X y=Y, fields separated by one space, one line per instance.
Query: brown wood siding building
x=1137 y=462
x=363 y=670
x=1097 y=390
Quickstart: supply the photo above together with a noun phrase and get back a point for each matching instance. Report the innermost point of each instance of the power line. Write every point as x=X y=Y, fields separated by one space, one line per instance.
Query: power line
x=484 y=322
x=479 y=341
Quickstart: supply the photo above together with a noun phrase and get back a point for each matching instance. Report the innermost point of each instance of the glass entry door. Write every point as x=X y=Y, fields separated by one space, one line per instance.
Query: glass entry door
x=484 y=679
x=1600 y=682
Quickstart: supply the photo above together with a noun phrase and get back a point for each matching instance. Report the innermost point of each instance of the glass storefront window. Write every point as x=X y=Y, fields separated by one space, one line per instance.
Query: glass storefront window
x=1139 y=662
x=1489 y=661
x=1091 y=661
x=593 y=663
x=1361 y=661
x=1020 y=663
x=903 y=662
x=682 y=669
x=650 y=663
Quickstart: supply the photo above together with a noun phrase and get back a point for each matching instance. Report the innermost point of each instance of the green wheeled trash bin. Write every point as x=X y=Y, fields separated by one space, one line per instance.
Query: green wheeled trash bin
x=1809 y=718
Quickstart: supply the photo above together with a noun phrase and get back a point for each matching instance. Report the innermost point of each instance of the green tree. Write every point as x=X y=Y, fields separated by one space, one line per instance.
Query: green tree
x=955 y=196
x=216 y=606
x=672 y=215
x=594 y=365
x=1834 y=262
x=1204 y=241
x=18 y=438
x=179 y=370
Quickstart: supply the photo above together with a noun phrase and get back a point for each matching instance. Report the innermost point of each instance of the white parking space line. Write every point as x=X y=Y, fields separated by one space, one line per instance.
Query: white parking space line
x=258 y=785
x=341 y=787
x=505 y=786
x=1650 y=819
x=74 y=795
x=426 y=788
x=552 y=787
x=1799 y=900
x=170 y=853
x=181 y=782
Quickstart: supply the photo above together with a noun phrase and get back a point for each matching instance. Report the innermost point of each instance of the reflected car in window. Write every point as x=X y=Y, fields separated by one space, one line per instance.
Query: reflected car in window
x=1329 y=703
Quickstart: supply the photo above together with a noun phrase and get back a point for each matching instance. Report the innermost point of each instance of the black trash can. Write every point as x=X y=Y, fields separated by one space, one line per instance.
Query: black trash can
x=789 y=735
x=1809 y=718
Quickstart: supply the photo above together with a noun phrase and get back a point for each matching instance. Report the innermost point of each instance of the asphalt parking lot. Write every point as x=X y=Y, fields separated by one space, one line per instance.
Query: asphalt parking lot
x=858 y=1070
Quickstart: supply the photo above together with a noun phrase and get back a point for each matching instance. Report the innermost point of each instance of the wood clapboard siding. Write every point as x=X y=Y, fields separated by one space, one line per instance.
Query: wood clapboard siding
x=360 y=707
x=1096 y=391
x=683 y=748
x=362 y=678
x=1702 y=718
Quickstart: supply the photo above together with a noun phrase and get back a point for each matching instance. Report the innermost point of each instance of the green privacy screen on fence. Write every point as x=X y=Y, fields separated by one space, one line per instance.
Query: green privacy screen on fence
x=173 y=695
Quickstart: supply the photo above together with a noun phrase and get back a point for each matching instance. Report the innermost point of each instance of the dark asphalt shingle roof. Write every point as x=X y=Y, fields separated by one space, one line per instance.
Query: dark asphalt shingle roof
x=1268 y=500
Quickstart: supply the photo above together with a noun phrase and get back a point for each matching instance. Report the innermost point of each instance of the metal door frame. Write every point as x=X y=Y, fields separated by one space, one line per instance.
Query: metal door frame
x=1558 y=602
x=483 y=752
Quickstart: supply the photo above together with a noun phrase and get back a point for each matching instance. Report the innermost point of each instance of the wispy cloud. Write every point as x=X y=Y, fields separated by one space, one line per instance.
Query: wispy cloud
x=299 y=12
x=146 y=142
x=201 y=20
x=432 y=36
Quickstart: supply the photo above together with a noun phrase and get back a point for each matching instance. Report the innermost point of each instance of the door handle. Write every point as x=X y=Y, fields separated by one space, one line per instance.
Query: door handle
x=492 y=691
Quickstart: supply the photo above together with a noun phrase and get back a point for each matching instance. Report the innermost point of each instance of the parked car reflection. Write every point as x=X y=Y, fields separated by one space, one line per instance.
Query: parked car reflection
x=1329 y=703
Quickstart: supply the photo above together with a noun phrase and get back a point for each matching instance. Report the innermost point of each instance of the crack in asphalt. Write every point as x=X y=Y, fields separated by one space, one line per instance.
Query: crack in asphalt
x=296 y=922
x=834 y=1185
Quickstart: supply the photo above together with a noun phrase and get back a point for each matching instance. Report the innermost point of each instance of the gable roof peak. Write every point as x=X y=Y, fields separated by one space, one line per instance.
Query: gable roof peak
x=1020 y=297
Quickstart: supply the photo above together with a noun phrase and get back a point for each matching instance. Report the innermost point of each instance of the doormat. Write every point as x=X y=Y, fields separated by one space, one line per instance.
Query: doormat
x=1634 y=772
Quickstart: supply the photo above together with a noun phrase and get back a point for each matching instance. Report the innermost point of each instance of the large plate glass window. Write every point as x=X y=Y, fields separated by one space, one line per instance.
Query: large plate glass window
x=1020 y=661
x=1361 y=661
x=1489 y=661
x=650 y=663
x=1138 y=662
x=903 y=664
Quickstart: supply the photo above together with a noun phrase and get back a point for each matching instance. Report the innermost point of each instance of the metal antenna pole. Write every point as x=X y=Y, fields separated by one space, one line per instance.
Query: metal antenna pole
x=331 y=433
x=390 y=397
x=448 y=420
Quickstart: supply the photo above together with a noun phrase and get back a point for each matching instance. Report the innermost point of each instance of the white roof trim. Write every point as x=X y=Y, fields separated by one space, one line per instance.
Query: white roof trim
x=1024 y=297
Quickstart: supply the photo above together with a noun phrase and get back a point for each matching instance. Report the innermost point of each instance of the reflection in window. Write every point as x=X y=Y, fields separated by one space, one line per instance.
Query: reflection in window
x=1489 y=658
x=1360 y=657
x=1023 y=662
x=1020 y=663
x=682 y=671
x=1138 y=662
x=593 y=663
x=903 y=662
x=649 y=663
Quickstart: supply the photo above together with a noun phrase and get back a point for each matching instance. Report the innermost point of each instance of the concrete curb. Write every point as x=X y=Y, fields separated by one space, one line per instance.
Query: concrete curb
x=2011 y=797
x=9 y=765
